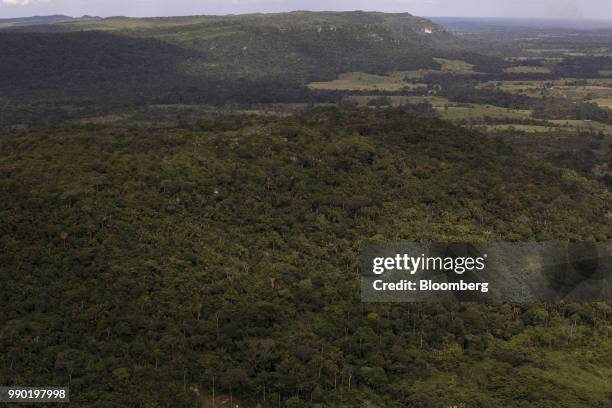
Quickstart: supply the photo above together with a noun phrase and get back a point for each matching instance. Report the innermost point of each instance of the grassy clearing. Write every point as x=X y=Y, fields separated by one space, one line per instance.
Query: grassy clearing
x=435 y=101
x=583 y=125
x=393 y=81
x=525 y=69
x=416 y=75
x=455 y=66
x=360 y=81
x=604 y=102
x=476 y=115
x=585 y=92
x=555 y=125
x=595 y=90
x=469 y=111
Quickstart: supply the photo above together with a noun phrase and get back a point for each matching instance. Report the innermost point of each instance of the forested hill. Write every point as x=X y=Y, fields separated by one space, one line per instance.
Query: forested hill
x=143 y=266
x=40 y=20
x=296 y=47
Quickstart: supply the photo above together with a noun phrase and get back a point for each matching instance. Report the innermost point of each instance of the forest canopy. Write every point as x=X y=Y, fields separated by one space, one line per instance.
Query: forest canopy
x=148 y=267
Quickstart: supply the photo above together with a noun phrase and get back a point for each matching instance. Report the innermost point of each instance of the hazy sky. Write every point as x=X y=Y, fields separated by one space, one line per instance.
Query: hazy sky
x=597 y=9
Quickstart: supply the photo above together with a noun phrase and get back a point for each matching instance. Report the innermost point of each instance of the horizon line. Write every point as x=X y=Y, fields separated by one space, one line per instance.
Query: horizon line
x=543 y=18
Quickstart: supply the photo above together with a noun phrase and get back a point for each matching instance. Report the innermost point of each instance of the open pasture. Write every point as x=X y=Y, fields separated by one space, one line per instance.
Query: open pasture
x=360 y=81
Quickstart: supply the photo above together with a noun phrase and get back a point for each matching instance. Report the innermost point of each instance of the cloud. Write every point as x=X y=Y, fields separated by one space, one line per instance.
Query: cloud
x=22 y=2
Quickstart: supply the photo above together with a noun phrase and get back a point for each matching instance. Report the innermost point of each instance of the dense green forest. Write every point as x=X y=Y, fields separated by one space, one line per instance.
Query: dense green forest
x=154 y=266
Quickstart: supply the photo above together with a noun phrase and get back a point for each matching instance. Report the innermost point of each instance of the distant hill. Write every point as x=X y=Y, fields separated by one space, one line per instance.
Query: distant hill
x=296 y=48
x=41 y=20
x=300 y=44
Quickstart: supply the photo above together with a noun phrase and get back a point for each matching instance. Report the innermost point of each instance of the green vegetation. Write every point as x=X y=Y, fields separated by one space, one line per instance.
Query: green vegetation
x=527 y=70
x=573 y=89
x=141 y=265
x=392 y=81
x=183 y=202
x=455 y=66
x=434 y=101
x=300 y=46
x=604 y=102
x=360 y=81
x=381 y=101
